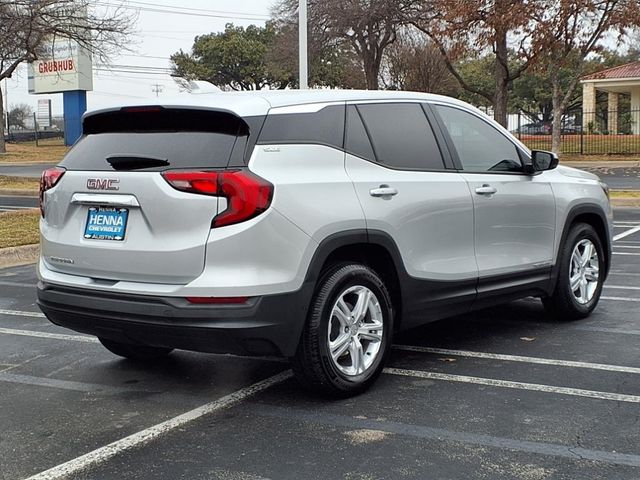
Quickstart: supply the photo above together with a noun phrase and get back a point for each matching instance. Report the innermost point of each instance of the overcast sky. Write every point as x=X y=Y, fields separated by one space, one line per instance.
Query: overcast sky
x=160 y=34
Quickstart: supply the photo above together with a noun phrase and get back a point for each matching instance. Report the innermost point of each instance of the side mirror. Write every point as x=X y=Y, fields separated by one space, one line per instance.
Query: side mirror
x=541 y=161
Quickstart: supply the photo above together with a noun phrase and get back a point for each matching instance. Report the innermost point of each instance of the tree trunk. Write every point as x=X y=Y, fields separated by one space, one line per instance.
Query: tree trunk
x=3 y=148
x=558 y=111
x=501 y=97
x=371 y=72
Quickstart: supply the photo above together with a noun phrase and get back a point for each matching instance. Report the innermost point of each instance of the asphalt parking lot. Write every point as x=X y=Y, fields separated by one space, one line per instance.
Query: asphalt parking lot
x=505 y=393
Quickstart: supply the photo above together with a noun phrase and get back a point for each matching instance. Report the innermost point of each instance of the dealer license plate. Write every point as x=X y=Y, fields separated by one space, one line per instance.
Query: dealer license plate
x=106 y=223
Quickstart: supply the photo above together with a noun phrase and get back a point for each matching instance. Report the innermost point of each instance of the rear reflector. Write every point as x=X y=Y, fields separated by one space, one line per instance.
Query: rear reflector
x=247 y=194
x=49 y=179
x=218 y=300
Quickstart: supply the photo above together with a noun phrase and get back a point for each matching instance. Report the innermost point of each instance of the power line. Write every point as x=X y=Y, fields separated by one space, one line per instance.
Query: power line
x=221 y=12
x=192 y=14
x=145 y=56
x=115 y=70
x=133 y=67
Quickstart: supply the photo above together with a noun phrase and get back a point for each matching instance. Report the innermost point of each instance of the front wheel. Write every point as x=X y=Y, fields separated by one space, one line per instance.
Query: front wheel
x=348 y=332
x=580 y=276
x=140 y=353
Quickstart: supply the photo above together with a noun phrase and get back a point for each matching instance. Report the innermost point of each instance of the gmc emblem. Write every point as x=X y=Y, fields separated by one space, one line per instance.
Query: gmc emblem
x=103 y=184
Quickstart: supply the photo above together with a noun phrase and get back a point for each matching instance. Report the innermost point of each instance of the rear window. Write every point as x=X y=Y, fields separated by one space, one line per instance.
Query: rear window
x=156 y=140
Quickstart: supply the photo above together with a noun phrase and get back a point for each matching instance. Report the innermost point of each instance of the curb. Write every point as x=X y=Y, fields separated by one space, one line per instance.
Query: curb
x=23 y=255
x=601 y=163
x=18 y=193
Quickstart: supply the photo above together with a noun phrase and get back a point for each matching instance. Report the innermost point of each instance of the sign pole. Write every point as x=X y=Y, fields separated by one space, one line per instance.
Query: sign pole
x=75 y=104
x=302 y=45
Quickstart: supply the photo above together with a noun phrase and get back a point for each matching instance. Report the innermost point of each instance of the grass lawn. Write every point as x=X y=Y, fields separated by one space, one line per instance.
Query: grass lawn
x=624 y=193
x=19 y=228
x=47 y=152
x=19 y=183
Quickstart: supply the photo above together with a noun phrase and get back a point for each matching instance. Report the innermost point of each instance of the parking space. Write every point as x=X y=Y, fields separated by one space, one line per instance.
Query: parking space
x=504 y=393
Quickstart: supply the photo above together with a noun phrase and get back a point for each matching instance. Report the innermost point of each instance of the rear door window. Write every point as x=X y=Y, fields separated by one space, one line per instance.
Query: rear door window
x=357 y=141
x=401 y=136
x=156 y=140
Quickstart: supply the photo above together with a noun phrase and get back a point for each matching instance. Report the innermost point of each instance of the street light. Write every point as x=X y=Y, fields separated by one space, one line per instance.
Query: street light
x=302 y=45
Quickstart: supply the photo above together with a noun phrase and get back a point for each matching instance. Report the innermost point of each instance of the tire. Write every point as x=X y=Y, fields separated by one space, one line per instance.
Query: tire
x=565 y=303
x=139 y=353
x=366 y=333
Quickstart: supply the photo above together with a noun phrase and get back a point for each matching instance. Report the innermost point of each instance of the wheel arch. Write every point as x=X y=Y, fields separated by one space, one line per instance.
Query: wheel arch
x=372 y=248
x=593 y=215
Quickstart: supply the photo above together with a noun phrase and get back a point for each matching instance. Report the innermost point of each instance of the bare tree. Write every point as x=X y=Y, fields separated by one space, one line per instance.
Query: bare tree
x=413 y=62
x=28 y=27
x=18 y=115
x=570 y=31
x=367 y=26
x=472 y=28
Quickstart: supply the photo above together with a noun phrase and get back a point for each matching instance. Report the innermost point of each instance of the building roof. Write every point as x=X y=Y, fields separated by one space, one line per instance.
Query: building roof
x=628 y=70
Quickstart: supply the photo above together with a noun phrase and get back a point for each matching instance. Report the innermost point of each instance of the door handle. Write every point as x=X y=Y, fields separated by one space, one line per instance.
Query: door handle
x=486 y=190
x=383 y=191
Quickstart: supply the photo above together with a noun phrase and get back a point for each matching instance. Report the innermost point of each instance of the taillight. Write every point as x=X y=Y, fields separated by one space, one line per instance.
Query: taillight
x=247 y=194
x=49 y=179
x=217 y=300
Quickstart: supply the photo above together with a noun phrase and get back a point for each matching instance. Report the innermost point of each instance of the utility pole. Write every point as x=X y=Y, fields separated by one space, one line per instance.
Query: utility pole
x=157 y=89
x=302 y=45
x=6 y=96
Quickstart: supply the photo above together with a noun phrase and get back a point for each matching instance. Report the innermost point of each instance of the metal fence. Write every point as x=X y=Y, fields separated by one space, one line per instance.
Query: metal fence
x=587 y=133
x=30 y=130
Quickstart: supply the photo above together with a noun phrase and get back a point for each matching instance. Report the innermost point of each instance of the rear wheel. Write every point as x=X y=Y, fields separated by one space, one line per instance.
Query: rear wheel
x=348 y=332
x=135 y=352
x=580 y=277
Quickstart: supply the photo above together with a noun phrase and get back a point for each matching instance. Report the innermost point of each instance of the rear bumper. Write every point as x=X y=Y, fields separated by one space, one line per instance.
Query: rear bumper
x=267 y=325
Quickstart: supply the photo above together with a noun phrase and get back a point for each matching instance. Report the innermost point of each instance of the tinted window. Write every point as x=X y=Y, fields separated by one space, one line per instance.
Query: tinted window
x=157 y=140
x=357 y=141
x=179 y=149
x=401 y=135
x=323 y=127
x=480 y=147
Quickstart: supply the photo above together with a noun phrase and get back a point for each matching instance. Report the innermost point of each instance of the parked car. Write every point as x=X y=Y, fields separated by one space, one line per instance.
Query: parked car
x=535 y=128
x=310 y=225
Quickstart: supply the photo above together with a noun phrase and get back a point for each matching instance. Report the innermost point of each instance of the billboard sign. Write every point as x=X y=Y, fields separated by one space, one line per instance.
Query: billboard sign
x=65 y=66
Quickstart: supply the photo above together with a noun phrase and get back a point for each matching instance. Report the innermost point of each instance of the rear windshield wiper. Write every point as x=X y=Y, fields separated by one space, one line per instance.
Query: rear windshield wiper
x=135 y=162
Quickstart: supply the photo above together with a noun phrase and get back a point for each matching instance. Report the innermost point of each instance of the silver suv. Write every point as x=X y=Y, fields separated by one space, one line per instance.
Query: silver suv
x=308 y=225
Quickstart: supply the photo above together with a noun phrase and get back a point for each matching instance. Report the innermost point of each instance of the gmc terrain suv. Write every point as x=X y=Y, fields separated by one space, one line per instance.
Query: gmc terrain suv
x=310 y=225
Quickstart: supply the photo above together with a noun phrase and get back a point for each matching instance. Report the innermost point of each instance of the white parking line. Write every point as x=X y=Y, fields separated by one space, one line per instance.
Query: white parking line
x=62 y=384
x=20 y=313
x=518 y=358
x=627 y=246
x=621 y=299
x=622 y=287
x=492 y=382
x=627 y=253
x=631 y=231
x=624 y=274
x=145 y=436
x=56 y=336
